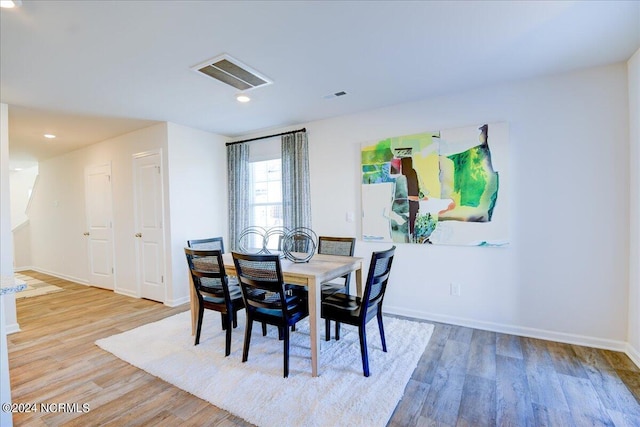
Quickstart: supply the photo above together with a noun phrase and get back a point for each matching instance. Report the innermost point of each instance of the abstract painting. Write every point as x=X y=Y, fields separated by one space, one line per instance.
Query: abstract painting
x=444 y=187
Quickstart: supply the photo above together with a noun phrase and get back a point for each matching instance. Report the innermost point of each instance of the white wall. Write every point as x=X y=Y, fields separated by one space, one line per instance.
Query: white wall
x=6 y=238
x=198 y=196
x=634 y=198
x=57 y=211
x=565 y=274
x=21 y=182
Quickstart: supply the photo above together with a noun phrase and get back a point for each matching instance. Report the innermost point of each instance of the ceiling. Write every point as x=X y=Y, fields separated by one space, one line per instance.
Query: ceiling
x=92 y=70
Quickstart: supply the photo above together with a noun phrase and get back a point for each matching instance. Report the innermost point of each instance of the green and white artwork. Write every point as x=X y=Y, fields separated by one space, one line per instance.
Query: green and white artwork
x=442 y=187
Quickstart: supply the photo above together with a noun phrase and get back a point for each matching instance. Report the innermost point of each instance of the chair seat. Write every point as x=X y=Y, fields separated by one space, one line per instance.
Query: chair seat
x=218 y=297
x=342 y=307
x=342 y=301
x=297 y=311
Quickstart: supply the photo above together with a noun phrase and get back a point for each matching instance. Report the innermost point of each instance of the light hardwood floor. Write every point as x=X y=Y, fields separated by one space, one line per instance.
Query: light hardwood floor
x=466 y=377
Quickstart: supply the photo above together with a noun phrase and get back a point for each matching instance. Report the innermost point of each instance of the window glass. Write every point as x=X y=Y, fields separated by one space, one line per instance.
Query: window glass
x=266 y=190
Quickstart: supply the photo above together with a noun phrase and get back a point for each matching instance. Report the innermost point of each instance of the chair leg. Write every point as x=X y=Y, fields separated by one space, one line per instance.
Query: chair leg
x=199 y=327
x=327 y=329
x=363 y=350
x=337 y=331
x=224 y=324
x=247 y=339
x=286 y=351
x=381 y=327
x=227 y=343
x=235 y=319
x=264 y=329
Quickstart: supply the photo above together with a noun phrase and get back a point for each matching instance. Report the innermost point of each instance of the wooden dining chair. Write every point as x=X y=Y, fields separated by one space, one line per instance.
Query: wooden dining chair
x=216 y=243
x=212 y=289
x=344 y=308
x=266 y=299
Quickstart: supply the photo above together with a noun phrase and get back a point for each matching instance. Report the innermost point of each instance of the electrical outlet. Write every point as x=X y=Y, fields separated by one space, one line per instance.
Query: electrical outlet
x=454 y=288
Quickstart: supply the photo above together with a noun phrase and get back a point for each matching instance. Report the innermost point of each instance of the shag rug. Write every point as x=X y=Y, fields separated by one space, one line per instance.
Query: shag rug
x=256 y=390
x=35 y=287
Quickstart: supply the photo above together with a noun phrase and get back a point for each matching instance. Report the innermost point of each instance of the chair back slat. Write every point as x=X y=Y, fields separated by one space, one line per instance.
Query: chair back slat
x=212 y=243
x=336 y=245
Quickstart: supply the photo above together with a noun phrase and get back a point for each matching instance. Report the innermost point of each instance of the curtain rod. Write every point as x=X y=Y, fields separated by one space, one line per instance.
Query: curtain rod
x=267 y=136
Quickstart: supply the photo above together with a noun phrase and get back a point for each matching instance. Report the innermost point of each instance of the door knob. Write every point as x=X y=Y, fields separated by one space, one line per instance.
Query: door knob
x=138 y=234
x=86 y=233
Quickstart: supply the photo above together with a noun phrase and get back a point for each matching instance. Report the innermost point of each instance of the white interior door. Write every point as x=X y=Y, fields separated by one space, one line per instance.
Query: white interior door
x=99 y=219
x=149 y=225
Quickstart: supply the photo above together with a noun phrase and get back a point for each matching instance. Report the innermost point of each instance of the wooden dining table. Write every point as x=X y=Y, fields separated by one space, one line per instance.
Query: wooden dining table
x=319 y=269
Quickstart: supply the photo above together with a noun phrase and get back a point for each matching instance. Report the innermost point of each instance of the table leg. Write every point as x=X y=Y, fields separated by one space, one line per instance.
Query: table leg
x=359 y=281
x=315 y=321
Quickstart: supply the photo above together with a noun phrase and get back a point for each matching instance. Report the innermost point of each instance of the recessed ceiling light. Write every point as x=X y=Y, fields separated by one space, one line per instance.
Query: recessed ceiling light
x=49 y=136
x=243 y=97
x=10 y=4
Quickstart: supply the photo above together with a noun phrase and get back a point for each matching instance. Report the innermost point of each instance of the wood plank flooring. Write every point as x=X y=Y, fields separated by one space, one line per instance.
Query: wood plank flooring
x=466 y=377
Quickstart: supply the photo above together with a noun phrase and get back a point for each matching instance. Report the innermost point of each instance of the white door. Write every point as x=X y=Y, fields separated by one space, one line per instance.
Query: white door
x=99 y=218
x=149 y=234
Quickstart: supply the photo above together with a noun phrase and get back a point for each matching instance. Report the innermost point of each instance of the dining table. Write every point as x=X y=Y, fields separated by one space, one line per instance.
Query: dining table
x=319 y=269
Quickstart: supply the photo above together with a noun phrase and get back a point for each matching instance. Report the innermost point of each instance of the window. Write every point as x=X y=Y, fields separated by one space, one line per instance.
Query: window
x=265 y=202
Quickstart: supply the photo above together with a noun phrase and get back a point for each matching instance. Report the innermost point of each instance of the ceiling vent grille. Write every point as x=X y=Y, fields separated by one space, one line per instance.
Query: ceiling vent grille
x=232 y=72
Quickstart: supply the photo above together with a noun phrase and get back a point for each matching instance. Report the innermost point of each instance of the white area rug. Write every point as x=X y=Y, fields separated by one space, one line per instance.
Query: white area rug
x=35 y=287
x=256 y=390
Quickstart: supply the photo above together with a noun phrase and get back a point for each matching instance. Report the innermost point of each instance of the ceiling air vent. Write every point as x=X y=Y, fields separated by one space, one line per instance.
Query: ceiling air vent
x=232 y=72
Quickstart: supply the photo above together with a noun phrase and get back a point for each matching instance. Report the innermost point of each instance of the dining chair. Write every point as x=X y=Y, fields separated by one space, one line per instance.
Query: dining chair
x=216 y=243
x=336 y=246
x=266 y=299
x=353 y=310
x=212 y=289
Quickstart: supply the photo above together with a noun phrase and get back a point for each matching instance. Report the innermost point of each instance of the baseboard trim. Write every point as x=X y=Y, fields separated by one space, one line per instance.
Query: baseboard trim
x=179 y=301
x=634 y=354
x=126 y=293
x=59 y=275
x=562 y=337
x=12 y=328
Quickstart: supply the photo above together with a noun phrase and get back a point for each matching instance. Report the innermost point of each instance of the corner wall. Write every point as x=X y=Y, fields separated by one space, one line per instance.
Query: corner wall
x=197 y=194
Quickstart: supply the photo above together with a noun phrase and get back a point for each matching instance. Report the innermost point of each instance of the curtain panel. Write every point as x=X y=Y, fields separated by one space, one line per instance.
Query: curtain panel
x=296 y=201
x=239 y=183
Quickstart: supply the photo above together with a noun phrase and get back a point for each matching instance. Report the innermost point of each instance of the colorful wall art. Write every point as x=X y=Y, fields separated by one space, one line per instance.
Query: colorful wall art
x=445 y=187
